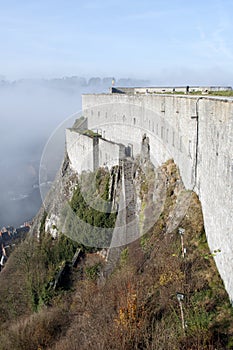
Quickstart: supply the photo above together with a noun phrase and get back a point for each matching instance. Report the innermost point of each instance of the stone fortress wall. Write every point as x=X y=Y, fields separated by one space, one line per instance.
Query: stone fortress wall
x=197 y=132
x=88 y=153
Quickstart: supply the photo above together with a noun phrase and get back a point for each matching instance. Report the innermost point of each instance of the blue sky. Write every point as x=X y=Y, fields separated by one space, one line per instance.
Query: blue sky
x=168 y=41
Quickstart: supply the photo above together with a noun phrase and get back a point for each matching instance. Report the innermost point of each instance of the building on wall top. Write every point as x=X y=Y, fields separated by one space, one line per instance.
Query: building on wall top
x=168 y=89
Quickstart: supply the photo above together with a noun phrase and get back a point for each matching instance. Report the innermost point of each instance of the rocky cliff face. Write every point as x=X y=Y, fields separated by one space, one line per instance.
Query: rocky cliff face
x=60 y=193
x=132 y=194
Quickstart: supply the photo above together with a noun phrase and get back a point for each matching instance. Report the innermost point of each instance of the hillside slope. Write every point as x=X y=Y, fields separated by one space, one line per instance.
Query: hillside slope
x=136 y=306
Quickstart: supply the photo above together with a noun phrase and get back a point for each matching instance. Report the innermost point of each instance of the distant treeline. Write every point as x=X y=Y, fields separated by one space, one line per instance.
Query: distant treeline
x=76 y=81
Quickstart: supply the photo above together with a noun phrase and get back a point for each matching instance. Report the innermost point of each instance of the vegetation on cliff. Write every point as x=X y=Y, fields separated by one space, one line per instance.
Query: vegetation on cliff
x=90 y=209
x=136 y=307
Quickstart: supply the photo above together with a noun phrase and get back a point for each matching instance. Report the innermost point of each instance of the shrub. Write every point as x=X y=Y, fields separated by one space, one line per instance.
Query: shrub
x=38 y=331
x=92 y=272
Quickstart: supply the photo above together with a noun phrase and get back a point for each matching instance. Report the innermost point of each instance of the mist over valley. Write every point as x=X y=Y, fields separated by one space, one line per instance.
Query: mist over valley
x=30 y=111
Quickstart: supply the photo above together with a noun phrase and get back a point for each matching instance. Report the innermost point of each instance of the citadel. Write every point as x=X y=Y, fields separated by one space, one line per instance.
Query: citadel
x=195 y=130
